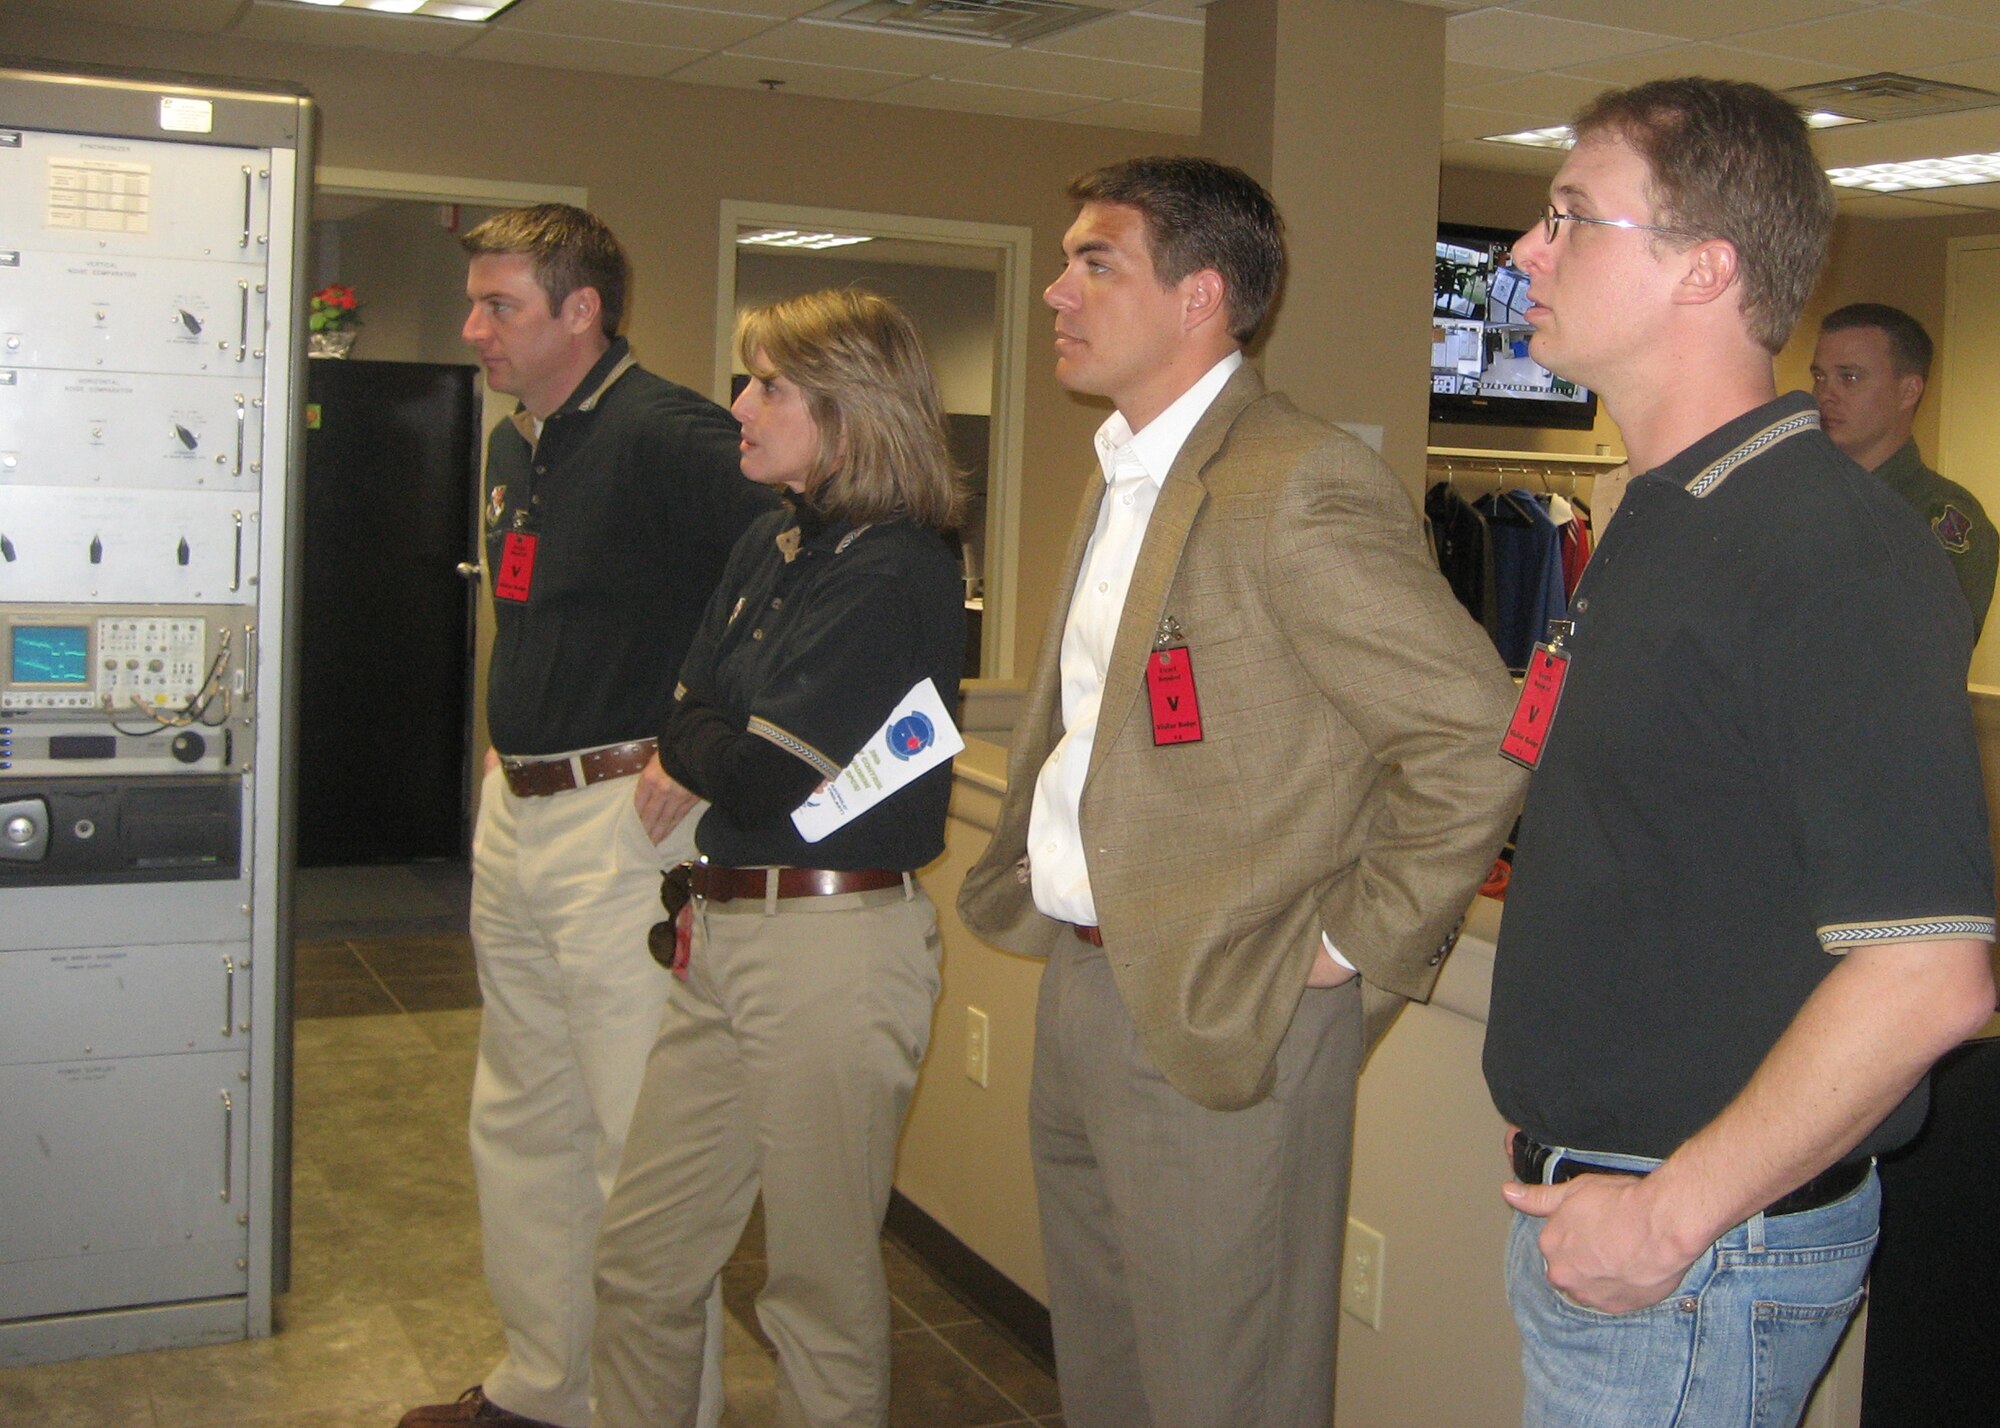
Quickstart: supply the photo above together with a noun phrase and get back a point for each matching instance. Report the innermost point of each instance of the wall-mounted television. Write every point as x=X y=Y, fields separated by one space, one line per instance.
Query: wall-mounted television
x=1480 y=367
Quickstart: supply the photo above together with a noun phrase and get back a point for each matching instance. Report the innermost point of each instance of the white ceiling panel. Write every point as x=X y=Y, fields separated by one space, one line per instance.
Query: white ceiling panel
x=1694 y=19
x=1175 y=9
x=1553 y=98
x=198 y=16
x=1715 y=61
x=1865 y=41
x=1135 y=38
x=986 y=98
x=824 y=81
x=1073 y=74
x=571 y=52
x=634 y=22
x=1134 y=114
x=862 y=48
x=1976 y=12
x=1513 y=39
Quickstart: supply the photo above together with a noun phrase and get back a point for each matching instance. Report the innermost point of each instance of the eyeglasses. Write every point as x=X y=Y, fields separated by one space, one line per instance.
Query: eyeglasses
x=1553 y=218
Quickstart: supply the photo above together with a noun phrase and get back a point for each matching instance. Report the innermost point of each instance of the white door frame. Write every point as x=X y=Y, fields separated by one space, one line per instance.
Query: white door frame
x=443 y=188
x=1015 y=245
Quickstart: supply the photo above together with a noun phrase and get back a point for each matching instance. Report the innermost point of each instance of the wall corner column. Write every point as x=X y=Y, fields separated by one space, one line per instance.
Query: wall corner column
x=1336 y=106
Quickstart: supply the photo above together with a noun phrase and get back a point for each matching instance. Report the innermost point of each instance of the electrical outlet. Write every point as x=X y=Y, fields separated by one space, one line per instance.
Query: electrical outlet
x=1361 y=1274
x=977 y=1037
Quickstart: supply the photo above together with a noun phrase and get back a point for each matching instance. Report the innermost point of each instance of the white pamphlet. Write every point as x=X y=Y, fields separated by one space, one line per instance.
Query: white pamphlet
x=917 y=736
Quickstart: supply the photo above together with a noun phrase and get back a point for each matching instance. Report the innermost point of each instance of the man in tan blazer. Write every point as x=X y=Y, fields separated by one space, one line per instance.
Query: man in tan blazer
x=1259 y=753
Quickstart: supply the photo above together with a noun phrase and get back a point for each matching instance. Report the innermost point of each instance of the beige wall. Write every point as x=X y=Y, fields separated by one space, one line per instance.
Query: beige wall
x=658 y=158
x=1350 y=338
x=952 y=307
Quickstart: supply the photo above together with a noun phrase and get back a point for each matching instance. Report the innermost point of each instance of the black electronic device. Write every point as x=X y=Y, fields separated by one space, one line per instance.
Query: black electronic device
x=1480 y=367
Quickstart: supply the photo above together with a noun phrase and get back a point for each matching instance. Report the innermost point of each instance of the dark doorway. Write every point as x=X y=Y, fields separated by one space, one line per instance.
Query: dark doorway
x=385 y=632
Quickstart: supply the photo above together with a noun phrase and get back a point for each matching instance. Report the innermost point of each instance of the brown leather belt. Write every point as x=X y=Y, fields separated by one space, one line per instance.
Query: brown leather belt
x=538 y=778
x=715 y=884
x=1094 y=936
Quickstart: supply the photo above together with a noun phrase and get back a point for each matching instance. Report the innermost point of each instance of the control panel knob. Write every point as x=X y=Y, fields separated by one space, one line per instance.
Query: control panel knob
x=19 y=831
x=189 y=746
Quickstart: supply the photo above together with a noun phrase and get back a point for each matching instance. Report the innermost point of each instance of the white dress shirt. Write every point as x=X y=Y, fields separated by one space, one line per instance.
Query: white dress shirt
x=1134 y=465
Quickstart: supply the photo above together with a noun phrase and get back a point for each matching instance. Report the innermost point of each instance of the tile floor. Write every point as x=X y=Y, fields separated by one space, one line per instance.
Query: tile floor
x=386 y=1307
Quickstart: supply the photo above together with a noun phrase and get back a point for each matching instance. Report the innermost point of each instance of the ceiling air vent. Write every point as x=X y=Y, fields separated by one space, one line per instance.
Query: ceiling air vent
x=993 y=22
x=1890 y=96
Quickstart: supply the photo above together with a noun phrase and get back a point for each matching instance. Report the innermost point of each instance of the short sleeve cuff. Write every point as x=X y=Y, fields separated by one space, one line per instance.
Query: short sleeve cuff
x=1841 y=936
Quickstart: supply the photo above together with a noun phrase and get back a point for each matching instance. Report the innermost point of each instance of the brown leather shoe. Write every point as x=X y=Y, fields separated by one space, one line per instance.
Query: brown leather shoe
x=471 y=1406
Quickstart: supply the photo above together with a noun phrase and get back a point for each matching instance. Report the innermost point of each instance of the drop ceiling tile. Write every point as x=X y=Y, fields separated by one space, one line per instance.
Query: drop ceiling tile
x=1939 y=136
x=316 y=25
x=1509 y=39
x=1126 y=114
x=1176 y=9
x=1459 y=76
x=983 y=98
x=824 y=81
x=861 y=48
x=202 y=17
x=634 y=22
x=1715 y=61
x=1557 y=95
x=1183 y=93
x=1866 y=41
x=1932 y=204
x=1136 y=38
x=578 y=53
x=1977 y=12
x=774 y=9
x=1693 y=19
x=1977 y=74
x=1063 y=74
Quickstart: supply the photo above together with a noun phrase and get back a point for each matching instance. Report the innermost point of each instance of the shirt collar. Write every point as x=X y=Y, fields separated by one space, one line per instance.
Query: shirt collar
x=1155 y=446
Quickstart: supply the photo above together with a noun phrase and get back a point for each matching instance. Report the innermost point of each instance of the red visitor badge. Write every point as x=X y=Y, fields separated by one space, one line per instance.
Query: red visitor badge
x=1541 y=691
x=517 y=566
x=1170 y=686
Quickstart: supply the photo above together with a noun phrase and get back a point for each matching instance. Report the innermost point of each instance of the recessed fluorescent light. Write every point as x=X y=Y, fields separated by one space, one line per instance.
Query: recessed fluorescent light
x=474 y=11
x=1556 y=136
x=793 y=238
x=1953 y=172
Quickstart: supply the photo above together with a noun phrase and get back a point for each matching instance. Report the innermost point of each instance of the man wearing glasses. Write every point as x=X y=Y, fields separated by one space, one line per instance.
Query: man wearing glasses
x=1753 y=896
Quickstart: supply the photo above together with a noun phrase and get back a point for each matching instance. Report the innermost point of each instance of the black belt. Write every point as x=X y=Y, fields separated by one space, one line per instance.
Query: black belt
x=1836 y=1182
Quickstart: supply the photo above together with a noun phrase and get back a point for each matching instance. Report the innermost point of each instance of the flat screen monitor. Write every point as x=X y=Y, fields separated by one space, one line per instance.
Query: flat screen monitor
x=1480 y=367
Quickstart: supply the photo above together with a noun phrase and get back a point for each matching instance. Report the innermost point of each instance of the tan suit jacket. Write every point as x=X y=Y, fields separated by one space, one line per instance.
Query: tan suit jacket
x=1347 y=778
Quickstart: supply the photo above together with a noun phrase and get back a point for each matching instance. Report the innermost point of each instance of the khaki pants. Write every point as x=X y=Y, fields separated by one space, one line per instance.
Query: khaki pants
x=1193 y=1255
x=787 y=1067
x=564 y=889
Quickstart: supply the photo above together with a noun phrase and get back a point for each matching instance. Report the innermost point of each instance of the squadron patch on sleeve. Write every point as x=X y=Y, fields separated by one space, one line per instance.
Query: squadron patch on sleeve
x=1953 y=528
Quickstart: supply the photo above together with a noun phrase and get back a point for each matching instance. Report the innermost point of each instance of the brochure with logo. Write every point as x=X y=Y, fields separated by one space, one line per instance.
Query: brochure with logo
x=917 y=736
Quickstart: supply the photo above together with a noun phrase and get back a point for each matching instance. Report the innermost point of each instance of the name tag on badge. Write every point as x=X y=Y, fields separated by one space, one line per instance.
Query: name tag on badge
x=1170 y=687
x=517 y=566
x=1528 y=731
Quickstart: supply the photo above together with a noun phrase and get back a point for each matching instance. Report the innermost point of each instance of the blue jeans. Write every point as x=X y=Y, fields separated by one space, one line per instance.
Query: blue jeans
x=1741 y=1341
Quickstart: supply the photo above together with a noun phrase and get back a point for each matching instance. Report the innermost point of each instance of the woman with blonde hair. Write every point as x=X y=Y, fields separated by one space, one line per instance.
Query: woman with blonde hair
x=786 y=1058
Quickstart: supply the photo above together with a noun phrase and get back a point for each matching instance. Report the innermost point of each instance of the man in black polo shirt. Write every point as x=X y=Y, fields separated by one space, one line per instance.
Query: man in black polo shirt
x=613 y=499
x=1753 y=895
